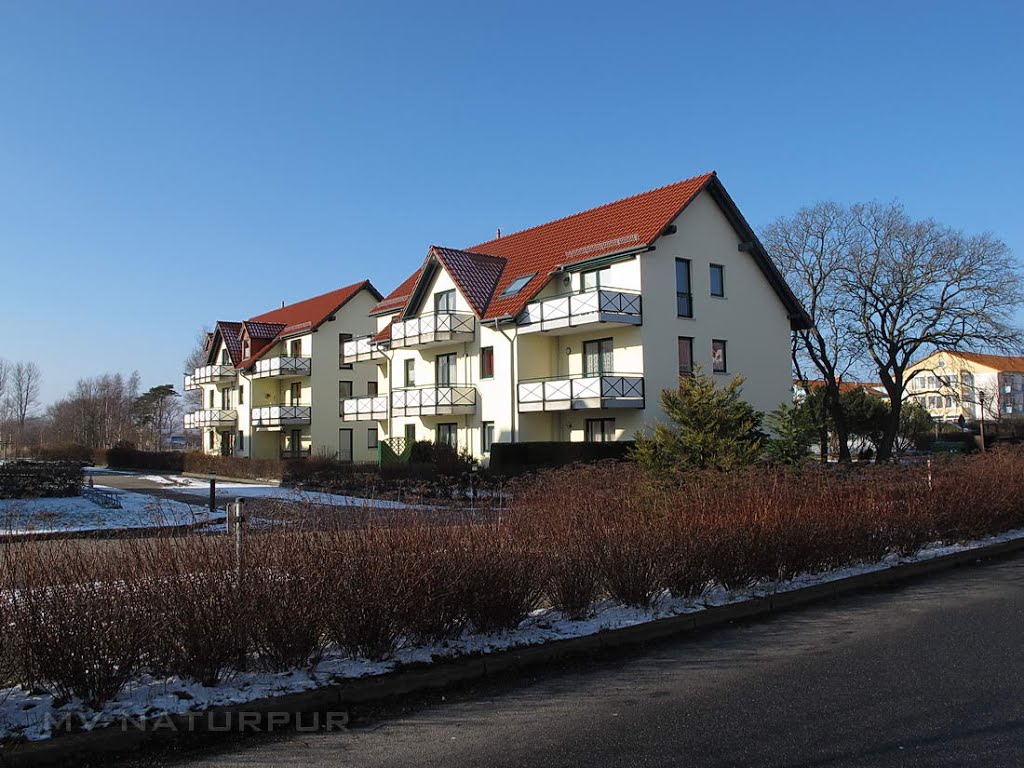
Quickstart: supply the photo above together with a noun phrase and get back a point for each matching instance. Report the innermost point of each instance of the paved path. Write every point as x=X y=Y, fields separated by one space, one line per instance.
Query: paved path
x=930 y=675
x=138 y=483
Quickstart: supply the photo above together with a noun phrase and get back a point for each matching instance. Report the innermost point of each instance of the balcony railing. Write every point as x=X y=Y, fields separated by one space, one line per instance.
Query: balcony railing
x=276 y=416
x=282 y=366
x=296 y=453
x=209 y=374
x=433 y=401
x=608 y=390
x=601 y=305
x=211 y=417
x=373 y=408
x=361 y=350
x=428 y=330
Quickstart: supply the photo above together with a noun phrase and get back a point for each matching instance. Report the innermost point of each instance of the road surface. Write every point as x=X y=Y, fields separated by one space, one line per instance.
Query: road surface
x=929 y=675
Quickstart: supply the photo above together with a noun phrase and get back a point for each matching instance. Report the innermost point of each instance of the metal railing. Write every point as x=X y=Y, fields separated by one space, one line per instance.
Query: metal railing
x=433 y=401
x=370 y=408
x=210 y=417
x=606 y=390
x=360 y=350
x=282 y=366
x=281 y=415
x=432 y=329
x=209 y=374
x=598 y=305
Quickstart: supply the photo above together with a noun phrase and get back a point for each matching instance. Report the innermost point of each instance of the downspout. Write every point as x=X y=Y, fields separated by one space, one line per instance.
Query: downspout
x=512 y=375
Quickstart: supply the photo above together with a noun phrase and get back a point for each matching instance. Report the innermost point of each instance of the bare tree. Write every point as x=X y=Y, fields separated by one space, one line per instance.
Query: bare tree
x=192 y=400
x=24 y=394
x=811 y=248
x=917 y=286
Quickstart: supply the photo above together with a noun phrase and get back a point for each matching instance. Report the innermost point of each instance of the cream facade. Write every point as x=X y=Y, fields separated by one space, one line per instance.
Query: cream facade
x=954 y=384
x=286 y=400
x=588 y=355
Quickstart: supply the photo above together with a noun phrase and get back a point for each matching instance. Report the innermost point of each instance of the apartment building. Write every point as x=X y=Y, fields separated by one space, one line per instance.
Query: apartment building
x=952 y=384
x=570 y=330
x=274 y=385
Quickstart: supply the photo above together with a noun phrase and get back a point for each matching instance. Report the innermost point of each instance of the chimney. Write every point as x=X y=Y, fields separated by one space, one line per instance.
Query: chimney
x=499 y=234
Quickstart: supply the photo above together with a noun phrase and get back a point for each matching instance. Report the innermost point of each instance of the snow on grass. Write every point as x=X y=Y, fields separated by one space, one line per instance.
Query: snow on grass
x=31 y=716
x=79 y=514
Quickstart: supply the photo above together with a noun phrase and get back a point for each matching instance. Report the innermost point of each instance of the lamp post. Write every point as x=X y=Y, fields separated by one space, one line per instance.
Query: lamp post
x=981 y=403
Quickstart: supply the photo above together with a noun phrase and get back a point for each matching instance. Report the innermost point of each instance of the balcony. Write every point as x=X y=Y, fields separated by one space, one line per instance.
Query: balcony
x=610 y=390
x=432 y=330
x=211 y=417
x=374 y=408
x=210 y=374
x=271 y=417
x=433 y=401
x=582 y=311
x=361 y=350
x=282 y=367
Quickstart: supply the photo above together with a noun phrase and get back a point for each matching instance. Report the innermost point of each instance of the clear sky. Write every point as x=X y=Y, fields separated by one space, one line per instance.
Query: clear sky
x=167 y=164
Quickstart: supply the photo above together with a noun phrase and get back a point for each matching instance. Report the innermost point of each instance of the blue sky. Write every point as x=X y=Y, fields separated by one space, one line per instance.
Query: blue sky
x=167 y=164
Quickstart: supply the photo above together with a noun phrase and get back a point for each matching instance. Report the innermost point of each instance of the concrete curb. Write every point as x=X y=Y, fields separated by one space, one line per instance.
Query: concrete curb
x=73 y=748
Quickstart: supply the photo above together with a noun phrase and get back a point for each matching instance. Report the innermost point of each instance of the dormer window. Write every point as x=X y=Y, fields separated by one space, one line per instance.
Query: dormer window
x=245 y=349
x=444 y=302
x=517 y=285
x=224 y=359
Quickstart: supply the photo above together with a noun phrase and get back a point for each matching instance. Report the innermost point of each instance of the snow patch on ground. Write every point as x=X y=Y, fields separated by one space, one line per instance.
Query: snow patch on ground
x=31 y=716
x=78 y=513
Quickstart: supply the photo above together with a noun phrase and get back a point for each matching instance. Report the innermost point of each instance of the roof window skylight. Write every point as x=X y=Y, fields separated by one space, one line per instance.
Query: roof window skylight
x=517 y=285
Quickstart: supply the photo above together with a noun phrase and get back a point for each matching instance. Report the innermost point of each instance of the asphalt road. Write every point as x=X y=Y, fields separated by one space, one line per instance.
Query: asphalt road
x=929 y=675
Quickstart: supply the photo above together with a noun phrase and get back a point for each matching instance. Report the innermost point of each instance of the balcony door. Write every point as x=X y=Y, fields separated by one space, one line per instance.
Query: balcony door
x=345 y=446
x=445 y=368
x=597 y=357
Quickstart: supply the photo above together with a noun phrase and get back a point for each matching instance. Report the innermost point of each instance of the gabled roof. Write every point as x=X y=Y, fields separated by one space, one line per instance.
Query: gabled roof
x=227 y=331
x=293 y=319
x=629 y=225
x=475 y=275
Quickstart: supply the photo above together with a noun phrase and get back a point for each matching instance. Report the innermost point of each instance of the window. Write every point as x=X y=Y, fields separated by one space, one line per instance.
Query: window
x=225 y=399
x=718 y=363
x=241 y=394
x=224 y=359
x=486 y=436
x=600 y=430
x=447 y=434
x=445 y=369
x=245 y=349
x=295 y=393
x=517 y=285
x=684 y=299
x=444 y=302
x=410 y=372
x=487 y=363
x=410 y=433
x=371 y=438
x=342 y=338
x=210 y=441
x=344 y=392
x=212 y=395
x=241 y=440
x=371 y=388
x=345 y=445
x=718 y=280
x=591 y=279
x=597 y=357
x=685 y=356
x=296 y=348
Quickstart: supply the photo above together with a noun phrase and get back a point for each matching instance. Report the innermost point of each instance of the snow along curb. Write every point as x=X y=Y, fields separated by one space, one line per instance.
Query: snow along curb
x=410 y=681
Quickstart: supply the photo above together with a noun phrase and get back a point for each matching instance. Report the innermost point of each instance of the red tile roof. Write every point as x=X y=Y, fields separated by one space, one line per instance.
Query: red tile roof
x=997 y=362
x=475 y=274
x=300 y=317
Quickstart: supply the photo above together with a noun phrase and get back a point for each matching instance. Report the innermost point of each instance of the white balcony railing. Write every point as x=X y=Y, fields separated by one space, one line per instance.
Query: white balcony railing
x=580 y=392
x=373 y=408
x=282 y=366
x=276 y=416
x=601 y=305
x=210 y=417
x=427 y=330
x=209 y=374
x=433 y=401
x=361 y=350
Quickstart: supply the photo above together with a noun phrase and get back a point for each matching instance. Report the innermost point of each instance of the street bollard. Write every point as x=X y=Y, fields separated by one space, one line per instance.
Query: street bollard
x=213 y=493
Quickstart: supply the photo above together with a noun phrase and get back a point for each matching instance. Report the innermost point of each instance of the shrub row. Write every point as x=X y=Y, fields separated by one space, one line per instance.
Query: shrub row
x=81 y=621
x=38 y=479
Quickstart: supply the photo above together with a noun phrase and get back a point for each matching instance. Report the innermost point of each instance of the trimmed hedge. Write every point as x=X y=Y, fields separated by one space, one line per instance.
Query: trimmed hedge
x=37 y=479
